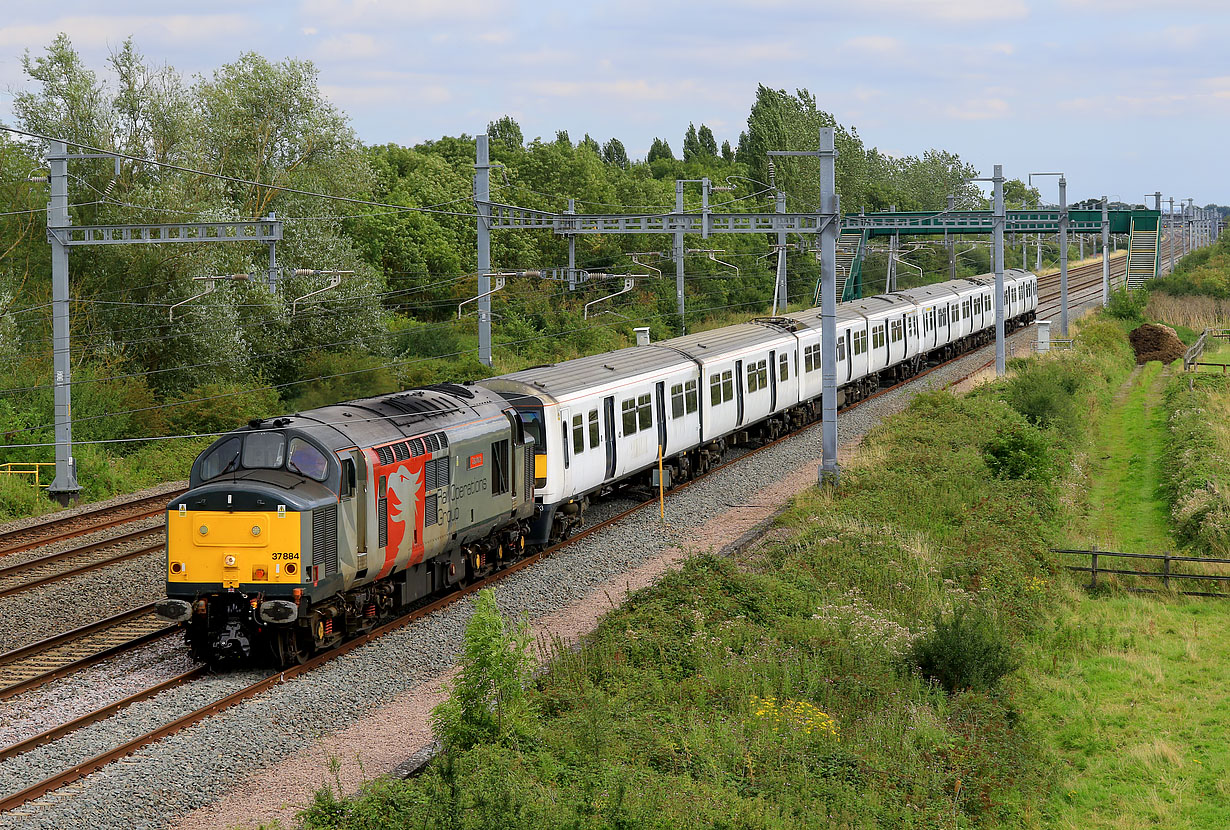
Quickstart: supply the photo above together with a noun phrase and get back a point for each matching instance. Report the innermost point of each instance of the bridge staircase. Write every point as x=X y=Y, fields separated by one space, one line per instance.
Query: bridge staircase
x=1144 y=252
x=851 y=247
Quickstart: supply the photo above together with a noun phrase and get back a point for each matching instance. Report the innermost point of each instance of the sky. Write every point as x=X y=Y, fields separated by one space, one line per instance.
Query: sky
x=1126 y=97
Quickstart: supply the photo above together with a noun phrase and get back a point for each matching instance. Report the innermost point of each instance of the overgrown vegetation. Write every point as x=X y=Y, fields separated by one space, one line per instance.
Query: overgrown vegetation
x=1197 y=469
x=794 y=687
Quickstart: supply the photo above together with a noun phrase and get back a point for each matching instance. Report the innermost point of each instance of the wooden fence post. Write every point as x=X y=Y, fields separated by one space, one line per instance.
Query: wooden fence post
x=1093 y=570
x=1166 y=571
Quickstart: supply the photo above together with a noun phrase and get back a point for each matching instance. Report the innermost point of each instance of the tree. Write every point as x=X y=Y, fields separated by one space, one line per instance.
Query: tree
x=613 y=152
x=488 y=703
x=506 y=131
x=562 y=139
x=691 y=144
x=708 y=144
x=728 y=155
x=659 y=149
x=592 y=144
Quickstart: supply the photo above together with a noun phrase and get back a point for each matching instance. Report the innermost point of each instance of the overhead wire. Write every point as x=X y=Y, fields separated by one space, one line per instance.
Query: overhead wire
x=269 y=387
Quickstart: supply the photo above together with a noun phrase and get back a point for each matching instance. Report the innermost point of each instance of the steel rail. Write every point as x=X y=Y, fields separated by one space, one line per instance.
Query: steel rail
x=9 y=539
x=43 y=651
x=51 y=559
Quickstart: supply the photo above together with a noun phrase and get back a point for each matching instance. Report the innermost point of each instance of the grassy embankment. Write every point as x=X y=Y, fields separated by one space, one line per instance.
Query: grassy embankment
x=1135 y=709
x=787 y=688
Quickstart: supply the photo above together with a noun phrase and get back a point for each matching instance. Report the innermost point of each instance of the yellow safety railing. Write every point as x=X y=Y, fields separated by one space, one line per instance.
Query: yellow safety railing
x=34 y=469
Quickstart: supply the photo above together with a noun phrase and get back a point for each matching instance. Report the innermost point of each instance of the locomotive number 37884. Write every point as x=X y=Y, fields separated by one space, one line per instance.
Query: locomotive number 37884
x=286 y=555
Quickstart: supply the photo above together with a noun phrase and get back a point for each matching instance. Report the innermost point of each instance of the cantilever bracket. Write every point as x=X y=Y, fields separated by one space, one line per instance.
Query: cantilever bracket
x=211 y=284
x=500 y=282
x=634 y=257
x=712 y=253
x=335 y=279
x=629 y=282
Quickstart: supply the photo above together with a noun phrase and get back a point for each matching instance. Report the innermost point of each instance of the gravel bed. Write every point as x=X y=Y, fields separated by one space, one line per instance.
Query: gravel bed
x=34 y=521
x=79 y=600
x=21 y=557
x=60 y=701
x=161 y=783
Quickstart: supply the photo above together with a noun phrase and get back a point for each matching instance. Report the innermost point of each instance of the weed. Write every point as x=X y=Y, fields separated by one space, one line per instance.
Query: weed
x=965 y=650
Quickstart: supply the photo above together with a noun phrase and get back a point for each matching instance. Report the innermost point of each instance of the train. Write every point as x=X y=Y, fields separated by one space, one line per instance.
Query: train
x=298 y=532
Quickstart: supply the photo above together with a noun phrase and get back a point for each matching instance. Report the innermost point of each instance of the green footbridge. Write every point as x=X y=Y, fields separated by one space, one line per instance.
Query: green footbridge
x=1142 y=227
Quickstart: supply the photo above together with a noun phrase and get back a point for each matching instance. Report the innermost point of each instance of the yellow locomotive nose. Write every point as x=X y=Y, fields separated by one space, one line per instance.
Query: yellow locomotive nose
x=230 y=549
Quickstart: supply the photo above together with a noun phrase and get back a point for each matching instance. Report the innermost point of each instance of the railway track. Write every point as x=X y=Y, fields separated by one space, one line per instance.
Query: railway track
x=59 y=528
x=82 y=559
x=1084 y=285
x=97 y=762
x=31 y=666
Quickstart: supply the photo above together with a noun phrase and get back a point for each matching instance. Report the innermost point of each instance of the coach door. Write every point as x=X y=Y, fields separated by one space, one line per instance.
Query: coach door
x=739 y=391
x=661 y=409
x=772 y=380
x=608 y=425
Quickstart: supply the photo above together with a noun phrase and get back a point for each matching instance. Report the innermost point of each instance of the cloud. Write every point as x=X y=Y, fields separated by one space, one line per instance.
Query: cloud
x=93 y=31
x=950 y=11
x=978 y=109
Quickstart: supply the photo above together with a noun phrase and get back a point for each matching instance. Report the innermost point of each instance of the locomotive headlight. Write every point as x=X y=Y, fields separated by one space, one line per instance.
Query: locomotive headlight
x=230 y=560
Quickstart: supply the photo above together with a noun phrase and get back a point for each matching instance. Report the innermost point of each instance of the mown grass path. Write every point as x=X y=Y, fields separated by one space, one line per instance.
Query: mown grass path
x=1135 y=696
x=1126 y=510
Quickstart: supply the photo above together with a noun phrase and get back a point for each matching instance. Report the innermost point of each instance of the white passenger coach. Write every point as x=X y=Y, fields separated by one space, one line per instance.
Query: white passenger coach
x=609 y=420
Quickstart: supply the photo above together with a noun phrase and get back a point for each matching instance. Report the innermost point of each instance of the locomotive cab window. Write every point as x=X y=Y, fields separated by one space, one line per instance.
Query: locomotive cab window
x=308 y=461
x=264 y=451
x=348 y=477
x=222 y=459
x=499 y=467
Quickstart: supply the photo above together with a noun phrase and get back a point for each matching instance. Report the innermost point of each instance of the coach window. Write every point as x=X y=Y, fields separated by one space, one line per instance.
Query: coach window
x=644 y=412
x=752 y=378
x=691 y=399
x=898 y=331
x=841 y=348
x=762 y=370
x=728 y=385
x=677 y=400
x=783 y=367
x=578 y=434
x=628 y=411
x=715 y=390
x=911 y=325
x=593 y=428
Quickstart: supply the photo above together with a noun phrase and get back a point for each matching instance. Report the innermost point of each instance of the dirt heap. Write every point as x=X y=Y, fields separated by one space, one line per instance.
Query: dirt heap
x=1155 y=342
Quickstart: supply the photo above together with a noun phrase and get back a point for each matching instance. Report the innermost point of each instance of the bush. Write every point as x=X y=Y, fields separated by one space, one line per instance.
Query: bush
x=1127 y=305
x=1018 y=451
x=964 y=651
x=488 y=704
x=1044 y=392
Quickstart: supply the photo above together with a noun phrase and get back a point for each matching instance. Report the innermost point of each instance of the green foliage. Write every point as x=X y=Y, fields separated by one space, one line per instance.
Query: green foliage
x=1195 y=477
x=1019 y=451
x=488 y=703
x=1126 y=305
x=659 y=150
x=1044 y=392
x=965 y=650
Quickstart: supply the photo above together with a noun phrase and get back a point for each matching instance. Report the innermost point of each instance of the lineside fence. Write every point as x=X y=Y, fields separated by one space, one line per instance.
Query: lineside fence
x=1106 y=563
x=1191 y=358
